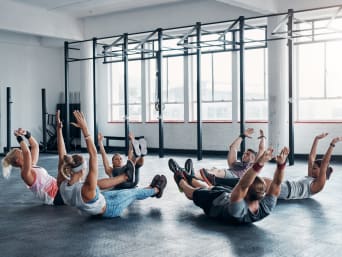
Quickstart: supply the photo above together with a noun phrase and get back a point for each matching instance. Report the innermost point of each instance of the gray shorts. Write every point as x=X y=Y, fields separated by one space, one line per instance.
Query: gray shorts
x=296 y=189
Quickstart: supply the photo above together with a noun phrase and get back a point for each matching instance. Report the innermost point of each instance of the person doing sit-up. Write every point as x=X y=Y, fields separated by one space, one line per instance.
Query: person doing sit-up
x=249 y=201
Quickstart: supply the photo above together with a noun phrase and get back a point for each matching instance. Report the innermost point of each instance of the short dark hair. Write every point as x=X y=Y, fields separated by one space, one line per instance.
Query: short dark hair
x=251 y=150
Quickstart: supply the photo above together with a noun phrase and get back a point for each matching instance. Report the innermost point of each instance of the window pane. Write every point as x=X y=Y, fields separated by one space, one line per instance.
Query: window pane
x=175 y=82
x=117 y=89
x=256 y=110
x=135 y=112
x=117 y=113
x=311 y=70
x=215 y=111
x=222 y=76
x=334 y=64
x=152 y=90
x=255 y=74
x=173 y=112
x=326 y=109
x=206 y=77
x=134 y=81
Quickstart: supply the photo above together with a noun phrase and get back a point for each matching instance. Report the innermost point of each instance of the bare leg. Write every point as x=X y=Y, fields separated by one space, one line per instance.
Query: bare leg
x=107 y=183
x=139 y=161
x=187 y=189
x=199 y=183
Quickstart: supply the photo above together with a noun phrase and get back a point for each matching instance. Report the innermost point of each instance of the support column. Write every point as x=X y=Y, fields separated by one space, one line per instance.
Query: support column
x=86 y=88
x=278 y=88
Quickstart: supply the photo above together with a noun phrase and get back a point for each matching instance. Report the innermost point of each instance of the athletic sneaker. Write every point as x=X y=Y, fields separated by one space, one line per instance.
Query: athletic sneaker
x=143 y=146
x=136 y=148
x=154 y=182
x=161 y=184
x=189 y=167
x=173 y=166
x=207 y=177
x=130 y=171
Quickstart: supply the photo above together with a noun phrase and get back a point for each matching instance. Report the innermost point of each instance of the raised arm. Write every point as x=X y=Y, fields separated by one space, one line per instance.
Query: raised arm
x=60 y=147
x=318 y=184
x=90 y=184
x=233 y=148
x=262 y=147
x=241 y=189
x=278 y=176
x=26 y=173
x=130 y=155
x=108 y=168
x=33 y=143
x=313 y=152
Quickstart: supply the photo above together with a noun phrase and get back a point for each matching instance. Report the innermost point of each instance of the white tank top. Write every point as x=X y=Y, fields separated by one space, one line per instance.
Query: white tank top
x=45 y=186
x=72 y=195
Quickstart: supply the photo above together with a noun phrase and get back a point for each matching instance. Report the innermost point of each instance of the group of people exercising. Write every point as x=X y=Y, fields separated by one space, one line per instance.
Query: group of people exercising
x=237 y=194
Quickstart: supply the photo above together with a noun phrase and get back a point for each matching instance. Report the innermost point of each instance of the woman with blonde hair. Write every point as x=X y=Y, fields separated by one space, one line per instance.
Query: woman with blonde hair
x=37 y=179
x=85 y=194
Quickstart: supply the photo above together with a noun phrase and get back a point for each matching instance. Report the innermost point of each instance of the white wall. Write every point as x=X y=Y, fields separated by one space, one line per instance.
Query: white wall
x=27 y=67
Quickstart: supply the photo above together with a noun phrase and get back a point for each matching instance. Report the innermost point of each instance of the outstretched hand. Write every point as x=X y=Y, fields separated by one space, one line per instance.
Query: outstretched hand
x=131 y=136
x=336 y=140
x=320 y=136
x=59 y=123
x=99 y=137
x=266 y=156
x=20 y=132
x=282 y=157
x=80 y=120
x=248 y=132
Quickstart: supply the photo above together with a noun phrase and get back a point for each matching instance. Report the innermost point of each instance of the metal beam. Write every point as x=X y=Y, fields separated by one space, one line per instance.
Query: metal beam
x=199 y=97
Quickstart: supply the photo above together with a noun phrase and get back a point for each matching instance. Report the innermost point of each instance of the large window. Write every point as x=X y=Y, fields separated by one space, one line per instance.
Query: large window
x=255 y=84
x=172 y=89
x=319 y=81
x=216 y=84
x=117 y=111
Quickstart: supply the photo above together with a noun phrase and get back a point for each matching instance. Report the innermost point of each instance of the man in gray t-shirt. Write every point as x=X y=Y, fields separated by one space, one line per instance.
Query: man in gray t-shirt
x=247 y=202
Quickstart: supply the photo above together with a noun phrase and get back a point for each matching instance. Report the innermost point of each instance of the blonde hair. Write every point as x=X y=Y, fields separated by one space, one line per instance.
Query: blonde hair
x=257 y=190
x=70 y=162
x=8 y=161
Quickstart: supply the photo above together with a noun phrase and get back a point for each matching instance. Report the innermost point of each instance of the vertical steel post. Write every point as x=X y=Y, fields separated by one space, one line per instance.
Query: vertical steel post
x=199 y=98
x=8 y=122
x=44 y=113
x=160 y=86
x=242 y=80
x=290 y=57
x=94 y=89
x=66 y=97
x=125 y=57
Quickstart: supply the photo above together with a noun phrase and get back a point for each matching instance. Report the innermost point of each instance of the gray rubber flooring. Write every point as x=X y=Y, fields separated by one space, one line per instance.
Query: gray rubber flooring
x=170 y=226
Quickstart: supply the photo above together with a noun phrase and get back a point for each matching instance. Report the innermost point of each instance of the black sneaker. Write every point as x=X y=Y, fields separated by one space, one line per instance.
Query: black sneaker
x=161 y=184
x=173 y=166
x=155 y=181
x=189 y=167
x=207 y=177
x=130 y=171
x=143 y=146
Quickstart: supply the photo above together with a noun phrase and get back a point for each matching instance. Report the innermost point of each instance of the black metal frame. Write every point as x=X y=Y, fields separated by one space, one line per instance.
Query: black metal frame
x=188 y=47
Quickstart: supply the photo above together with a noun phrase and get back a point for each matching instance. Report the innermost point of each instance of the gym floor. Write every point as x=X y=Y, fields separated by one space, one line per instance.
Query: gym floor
x=170 y=226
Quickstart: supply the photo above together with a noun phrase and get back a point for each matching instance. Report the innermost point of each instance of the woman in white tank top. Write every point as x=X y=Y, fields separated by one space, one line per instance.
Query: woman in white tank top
x=84 y=194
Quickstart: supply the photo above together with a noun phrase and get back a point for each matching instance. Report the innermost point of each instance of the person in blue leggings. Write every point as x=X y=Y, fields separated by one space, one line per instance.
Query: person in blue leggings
x=79 y=184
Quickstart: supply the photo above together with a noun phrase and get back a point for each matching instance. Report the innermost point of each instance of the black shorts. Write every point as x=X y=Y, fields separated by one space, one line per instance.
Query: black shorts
x=58 y=200
x=204 y=198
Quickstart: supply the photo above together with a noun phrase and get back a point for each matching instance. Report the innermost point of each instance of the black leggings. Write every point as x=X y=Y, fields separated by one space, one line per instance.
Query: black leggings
x=230 y=182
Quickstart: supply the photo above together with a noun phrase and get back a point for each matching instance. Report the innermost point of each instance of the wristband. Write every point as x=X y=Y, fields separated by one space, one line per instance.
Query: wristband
x=19 y=139
x=332 y=144
x=28 y=134
x=257 y=167
x=242 y=136
x=281 y=166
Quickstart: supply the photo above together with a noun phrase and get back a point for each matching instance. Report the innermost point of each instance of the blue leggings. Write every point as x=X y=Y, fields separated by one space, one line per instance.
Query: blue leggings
x=118 y=200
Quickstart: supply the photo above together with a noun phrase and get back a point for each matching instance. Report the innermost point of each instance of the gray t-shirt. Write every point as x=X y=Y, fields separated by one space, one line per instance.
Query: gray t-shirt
x=239 y=211
x=296 y=189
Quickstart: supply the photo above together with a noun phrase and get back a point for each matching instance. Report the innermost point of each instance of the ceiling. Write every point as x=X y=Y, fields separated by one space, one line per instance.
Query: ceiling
x=84 y=8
